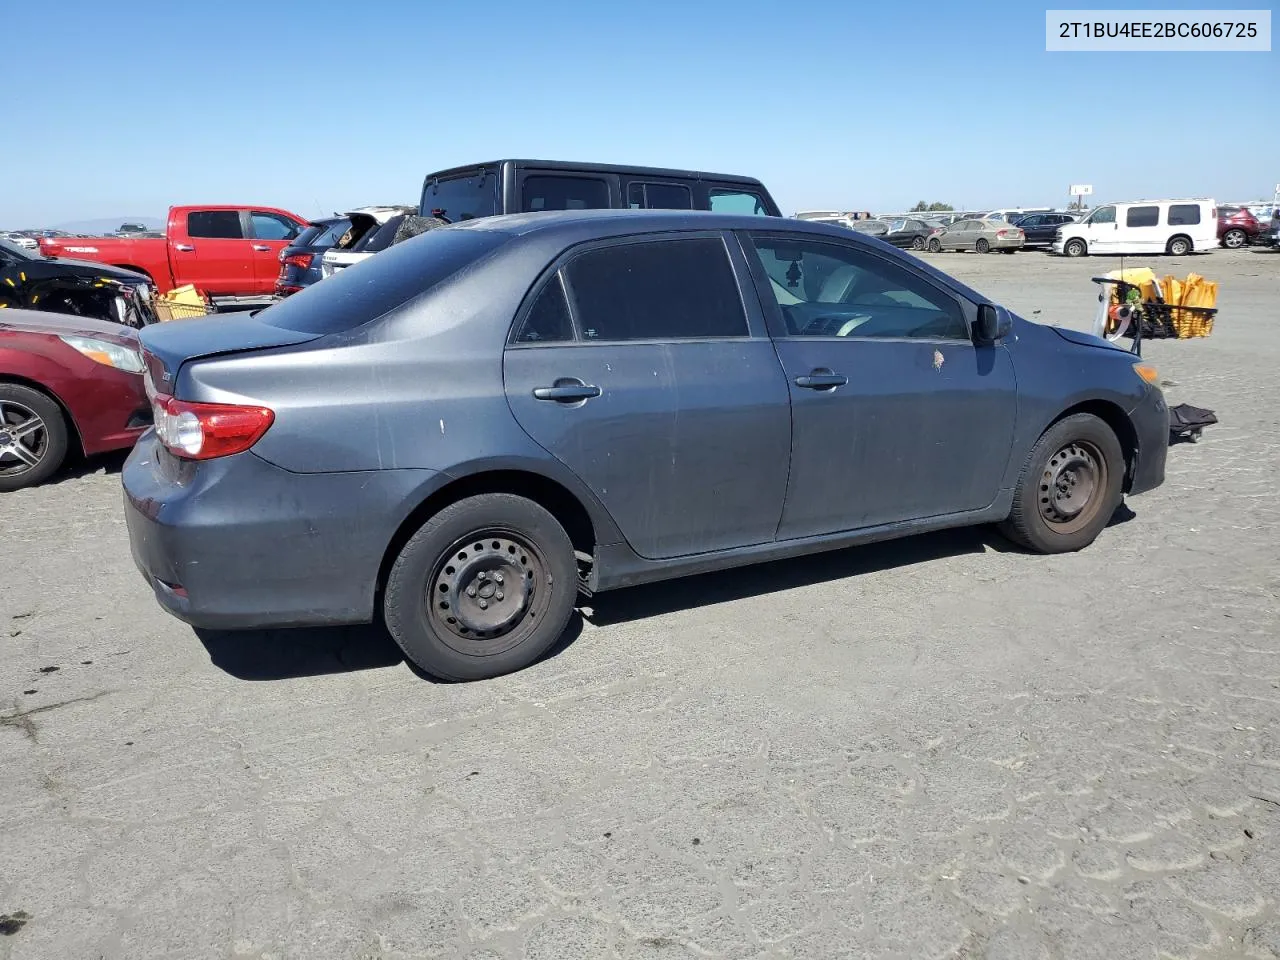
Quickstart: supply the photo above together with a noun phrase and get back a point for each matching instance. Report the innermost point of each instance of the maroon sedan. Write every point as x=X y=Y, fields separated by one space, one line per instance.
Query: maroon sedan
x=67 y=384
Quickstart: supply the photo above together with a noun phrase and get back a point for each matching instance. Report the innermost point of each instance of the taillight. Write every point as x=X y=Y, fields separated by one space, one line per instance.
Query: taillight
x=300 y=260
x=1002 y=233
x=203 y=431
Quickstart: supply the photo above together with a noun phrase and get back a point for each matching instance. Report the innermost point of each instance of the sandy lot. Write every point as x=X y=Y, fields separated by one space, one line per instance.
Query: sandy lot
x=933 y=748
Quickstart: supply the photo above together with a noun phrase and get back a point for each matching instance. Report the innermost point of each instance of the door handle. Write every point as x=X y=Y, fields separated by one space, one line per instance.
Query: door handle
x=821 y=379
x=184 y=247
x=567 y=391
x=262 y=248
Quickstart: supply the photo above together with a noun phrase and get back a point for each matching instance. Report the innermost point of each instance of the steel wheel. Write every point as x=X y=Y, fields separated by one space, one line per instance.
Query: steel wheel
x=487 y=592
x=1072 y=487
x=1234 y=239
x=24 y=439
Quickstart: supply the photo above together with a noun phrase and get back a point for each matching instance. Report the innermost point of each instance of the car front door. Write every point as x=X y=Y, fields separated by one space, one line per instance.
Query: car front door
x=1100 y=230
x=896 y=414
x=640 y=366
x=270 y=234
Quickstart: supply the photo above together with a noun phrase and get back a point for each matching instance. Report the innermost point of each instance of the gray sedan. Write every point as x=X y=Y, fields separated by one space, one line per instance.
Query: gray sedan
x=982 y=236
x=461 y=435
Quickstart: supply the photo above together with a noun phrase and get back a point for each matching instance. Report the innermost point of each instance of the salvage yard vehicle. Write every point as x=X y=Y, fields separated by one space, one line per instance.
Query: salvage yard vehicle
x=68 y=385
x=1039 y=229
x=1237 y=227
x=523 y=186
x=908 y=233
x=77 y=287
x=230 y=253
x=300 y=260
x=1175 y=227
x=981 y=236
x=372 y=230
x=471 y=428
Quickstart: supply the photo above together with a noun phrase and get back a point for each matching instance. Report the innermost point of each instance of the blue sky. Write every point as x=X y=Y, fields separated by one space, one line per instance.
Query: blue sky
x=125 y=108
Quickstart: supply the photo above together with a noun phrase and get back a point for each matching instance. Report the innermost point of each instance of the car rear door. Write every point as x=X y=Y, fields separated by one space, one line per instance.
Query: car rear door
x=215 y=254
x=896 y=414
x=269 y=233
x=639 y=365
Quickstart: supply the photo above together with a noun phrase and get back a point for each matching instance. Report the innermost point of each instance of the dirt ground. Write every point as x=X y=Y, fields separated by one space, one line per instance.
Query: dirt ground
x=933 y=748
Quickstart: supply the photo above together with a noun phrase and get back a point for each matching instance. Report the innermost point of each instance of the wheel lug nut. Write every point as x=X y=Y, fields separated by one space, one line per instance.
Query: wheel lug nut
x=498 y=577
x=471 y=591
x=483 y=576
x=498 y=595
x=484 y=605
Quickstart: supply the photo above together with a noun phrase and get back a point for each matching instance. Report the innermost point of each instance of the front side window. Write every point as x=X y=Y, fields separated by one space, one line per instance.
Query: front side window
x=1184 y=214
x=657 y=290
x=1103 y=215
x=737 y=201
x=1142 y=217
x=465 y=197
x=215 y=225
x=272 y=226
x=831 y=290
x=564 y=193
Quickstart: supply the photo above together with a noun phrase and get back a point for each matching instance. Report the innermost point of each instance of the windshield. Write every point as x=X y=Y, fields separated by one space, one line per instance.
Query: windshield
x=13 y=250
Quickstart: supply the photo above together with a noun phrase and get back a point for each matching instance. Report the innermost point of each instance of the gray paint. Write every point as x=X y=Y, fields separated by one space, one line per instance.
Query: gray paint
x=696 y=454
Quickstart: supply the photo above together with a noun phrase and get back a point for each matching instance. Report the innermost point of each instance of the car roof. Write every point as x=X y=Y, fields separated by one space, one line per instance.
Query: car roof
x=625 y=221
x=596 y=168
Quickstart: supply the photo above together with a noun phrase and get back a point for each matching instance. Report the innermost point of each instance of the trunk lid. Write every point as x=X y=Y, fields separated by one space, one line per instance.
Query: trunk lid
x=167 y=346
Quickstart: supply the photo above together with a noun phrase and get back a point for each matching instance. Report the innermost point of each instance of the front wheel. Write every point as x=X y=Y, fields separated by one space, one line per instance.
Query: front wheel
x=33 y=437
x=485 y=587
x=1070 y=486
x=1234 y=239
x=982 y=246
x=935 y=245
x=1075 y=248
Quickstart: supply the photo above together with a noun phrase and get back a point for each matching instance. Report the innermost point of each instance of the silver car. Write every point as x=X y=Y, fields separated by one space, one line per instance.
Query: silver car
x=980 y=235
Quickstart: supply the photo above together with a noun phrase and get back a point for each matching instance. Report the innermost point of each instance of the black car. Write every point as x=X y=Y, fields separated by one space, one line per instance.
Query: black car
x=36 y=282
x=1040 y=228
x=300 y=260
x=908 y=233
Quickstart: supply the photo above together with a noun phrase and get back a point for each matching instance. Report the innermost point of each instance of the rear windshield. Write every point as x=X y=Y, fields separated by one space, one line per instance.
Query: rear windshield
x=324 y=234
x=380 y=237
x=365 y=291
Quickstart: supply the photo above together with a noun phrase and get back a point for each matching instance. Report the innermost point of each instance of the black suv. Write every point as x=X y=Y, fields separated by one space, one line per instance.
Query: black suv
x=524 y=186
x=1041 y=228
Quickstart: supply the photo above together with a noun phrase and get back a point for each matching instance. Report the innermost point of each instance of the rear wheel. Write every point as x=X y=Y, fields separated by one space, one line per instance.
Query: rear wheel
x=935 y=245
x=33 y=437
x=982 y=246
x=1075 y=248
x=1070 y=486
x=917 y=243
x=1179 y=246
x=1235 y=238
x=485 y=587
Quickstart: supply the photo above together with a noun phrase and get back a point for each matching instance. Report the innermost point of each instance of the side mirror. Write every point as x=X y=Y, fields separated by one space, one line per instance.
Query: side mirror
x=994 y=323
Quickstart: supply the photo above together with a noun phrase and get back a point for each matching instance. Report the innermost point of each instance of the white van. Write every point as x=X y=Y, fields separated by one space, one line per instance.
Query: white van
x=1145 y=226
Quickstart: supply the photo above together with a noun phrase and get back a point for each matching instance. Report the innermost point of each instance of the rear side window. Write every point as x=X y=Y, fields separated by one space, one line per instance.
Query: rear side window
x=563 y=193
x=352 y=298
x=657 y=290
x=215 y=224
x=461 y=198
x=548 y=319
x=659 y=196
x=1142 y=217
x=737 y=201
x=1184 y=214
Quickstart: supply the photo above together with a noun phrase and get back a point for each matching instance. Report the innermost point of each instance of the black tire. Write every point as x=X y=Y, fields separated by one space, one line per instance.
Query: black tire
x=1009 y=250
x=485 y=587
x=982 y=246
x=1050 y=514
x=1179 y=246
x=917 y=243
x=1075 y=248
x=32 y=457
x=935 y=245
x=1235 y=238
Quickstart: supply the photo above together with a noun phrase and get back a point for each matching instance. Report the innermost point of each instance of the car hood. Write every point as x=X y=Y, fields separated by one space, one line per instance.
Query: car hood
x=66 y=325
x=1086 y=339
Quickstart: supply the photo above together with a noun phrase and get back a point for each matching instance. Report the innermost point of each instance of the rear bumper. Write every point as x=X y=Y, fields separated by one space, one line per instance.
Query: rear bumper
x=240 y=543
x=1150 y=421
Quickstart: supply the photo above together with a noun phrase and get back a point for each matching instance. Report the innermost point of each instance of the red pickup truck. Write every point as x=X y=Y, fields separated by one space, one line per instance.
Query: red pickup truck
x=231 y=253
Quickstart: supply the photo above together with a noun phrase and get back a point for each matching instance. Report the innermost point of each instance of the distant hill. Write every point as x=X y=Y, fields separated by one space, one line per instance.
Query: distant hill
x=108 y=224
